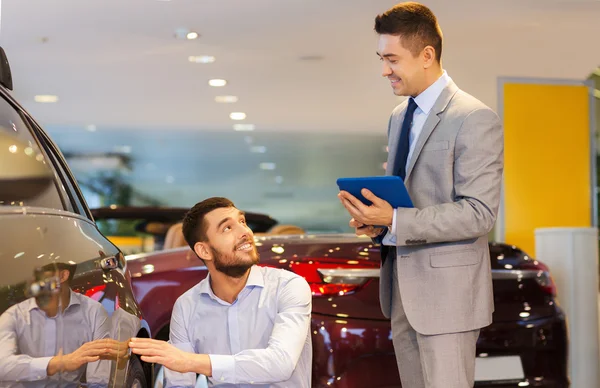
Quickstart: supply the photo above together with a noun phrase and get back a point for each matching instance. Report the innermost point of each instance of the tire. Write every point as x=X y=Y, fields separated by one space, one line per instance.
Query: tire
x=136 y=378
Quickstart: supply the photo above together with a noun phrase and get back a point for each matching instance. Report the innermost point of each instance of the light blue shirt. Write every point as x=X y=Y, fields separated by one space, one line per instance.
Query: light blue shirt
x=425 y=102
x=28 y=341
x=262 y=339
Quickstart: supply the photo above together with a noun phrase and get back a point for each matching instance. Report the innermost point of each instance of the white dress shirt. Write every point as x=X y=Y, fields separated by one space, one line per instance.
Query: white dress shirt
x=425 y=102
x=262 y=339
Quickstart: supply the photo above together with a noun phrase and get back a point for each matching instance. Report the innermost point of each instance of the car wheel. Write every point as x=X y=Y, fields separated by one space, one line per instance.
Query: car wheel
x=135 y=375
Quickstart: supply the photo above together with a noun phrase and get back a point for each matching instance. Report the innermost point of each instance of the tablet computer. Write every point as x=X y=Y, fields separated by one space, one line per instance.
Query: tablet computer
x=389 y=188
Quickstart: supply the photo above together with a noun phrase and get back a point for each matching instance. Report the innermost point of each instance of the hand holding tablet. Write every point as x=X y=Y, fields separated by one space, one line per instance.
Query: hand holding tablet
x=389 y=188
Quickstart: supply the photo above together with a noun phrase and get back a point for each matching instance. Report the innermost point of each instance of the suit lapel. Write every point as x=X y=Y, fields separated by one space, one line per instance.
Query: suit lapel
x=431 y=123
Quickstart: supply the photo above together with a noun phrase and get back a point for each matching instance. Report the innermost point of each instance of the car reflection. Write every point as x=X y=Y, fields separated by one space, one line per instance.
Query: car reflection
x=32 y=352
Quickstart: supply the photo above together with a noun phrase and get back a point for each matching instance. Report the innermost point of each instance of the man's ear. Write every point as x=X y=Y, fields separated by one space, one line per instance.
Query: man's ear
x=203 y=251
x=428 y=57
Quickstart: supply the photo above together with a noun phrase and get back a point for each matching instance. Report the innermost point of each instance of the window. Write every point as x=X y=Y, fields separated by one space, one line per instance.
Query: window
x=69 y=186
x=12 y=123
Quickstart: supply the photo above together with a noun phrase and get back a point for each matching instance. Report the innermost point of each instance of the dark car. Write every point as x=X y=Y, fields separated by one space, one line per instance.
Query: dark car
x=526 y=345
x=64 y=287
x=138 y=229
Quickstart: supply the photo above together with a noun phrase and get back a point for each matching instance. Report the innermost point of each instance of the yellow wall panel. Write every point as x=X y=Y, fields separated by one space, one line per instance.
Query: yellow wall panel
x=547 y=172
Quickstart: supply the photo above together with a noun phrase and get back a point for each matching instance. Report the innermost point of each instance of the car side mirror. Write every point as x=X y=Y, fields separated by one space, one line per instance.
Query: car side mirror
x=24 y=173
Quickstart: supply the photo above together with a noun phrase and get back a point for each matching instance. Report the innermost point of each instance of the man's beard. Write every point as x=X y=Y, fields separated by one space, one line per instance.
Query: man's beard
x=231 y=265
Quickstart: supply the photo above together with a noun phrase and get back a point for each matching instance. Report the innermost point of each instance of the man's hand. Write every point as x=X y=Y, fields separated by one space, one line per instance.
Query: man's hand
x=380 y=212
x=88 y=352
x=116 y=351
x=161 y=352
x=365 y=230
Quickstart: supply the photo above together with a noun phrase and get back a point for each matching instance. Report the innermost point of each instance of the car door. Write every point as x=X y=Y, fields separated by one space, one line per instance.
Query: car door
x=65 y=297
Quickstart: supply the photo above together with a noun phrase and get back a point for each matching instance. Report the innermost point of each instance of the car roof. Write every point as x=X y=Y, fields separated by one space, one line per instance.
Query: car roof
x=168 y=214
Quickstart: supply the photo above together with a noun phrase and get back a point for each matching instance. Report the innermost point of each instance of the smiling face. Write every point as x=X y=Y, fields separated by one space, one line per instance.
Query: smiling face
x=405 y=71
x=230 y=242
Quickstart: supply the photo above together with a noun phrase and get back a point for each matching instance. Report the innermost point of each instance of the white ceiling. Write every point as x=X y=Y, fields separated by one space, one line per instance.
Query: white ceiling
x=116 y=63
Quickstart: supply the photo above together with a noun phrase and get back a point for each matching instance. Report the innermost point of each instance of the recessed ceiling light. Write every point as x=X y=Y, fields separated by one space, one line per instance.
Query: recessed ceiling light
x=201 y=59
x=267 y=166
x=217 y=82
x=91 y=128
x=170 y=179
x=192 y=35
x=237 y=115
x=244 y=127
x=46 y=98
x=226 y=99
x=258 y=149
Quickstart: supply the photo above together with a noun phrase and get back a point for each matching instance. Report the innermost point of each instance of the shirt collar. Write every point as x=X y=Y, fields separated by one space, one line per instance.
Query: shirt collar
x=428 y=97
x=255 y=278
x=73 y=300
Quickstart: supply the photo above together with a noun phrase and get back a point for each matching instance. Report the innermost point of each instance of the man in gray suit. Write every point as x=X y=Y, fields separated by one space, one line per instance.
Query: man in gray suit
x=436 y=283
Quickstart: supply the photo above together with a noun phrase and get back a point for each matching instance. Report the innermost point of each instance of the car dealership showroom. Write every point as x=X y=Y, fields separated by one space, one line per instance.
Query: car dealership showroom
x=299 y=193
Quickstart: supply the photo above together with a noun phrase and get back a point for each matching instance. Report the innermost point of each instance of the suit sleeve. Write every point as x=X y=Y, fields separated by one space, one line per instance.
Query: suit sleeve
x=478 y=167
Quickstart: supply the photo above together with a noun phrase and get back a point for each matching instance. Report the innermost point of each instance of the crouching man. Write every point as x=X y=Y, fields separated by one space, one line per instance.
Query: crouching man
x=242 y=324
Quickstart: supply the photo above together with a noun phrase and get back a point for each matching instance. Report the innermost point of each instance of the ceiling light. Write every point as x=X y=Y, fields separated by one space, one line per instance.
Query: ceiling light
x=201 y=59
x=217 y=82
x=237 y=115
x=192 y=35
x=258 y=149
x=170 y=179
x=226 y=99
x=279 y=180
x=267 y=166
x=46 y=98
x=91 y=128
x=244 y=127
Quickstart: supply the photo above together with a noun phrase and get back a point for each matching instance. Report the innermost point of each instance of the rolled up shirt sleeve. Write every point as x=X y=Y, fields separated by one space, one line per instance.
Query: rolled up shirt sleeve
x=278 y=361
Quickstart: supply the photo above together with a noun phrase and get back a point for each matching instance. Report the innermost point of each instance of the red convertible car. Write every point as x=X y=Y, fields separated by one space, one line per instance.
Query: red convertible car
x=526 y=345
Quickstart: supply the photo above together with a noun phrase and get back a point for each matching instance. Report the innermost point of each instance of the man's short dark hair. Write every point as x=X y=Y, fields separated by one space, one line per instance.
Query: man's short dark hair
x=194 y=226
x=60 y=266
x=415 y=24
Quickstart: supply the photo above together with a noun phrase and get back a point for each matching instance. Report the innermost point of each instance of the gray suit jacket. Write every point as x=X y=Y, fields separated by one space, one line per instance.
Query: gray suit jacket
x=454 y=179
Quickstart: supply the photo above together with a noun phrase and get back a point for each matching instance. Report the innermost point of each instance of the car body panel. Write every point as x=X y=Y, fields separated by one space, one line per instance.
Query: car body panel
x=352 y=344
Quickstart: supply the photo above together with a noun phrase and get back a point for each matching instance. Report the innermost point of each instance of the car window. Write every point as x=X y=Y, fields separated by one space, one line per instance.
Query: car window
x=12 y=123
x=69 y=186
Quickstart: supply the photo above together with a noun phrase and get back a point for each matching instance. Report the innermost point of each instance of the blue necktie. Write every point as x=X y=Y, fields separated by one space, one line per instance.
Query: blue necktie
x=404 y=144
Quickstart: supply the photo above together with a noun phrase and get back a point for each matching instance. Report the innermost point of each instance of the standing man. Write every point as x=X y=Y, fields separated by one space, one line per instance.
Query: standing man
x=436 y=283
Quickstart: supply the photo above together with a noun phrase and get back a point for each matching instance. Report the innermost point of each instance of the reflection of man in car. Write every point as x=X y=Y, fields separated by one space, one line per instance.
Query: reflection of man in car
x=31 y=354
x=243 y=324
